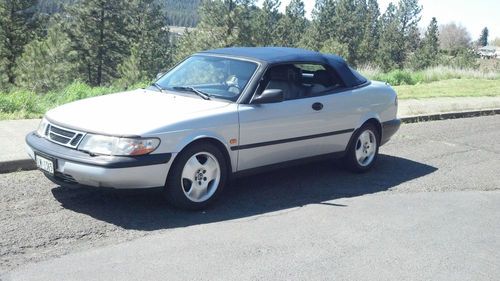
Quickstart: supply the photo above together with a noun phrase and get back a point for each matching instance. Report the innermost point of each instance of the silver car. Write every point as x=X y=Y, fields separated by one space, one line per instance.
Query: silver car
x=216 y=115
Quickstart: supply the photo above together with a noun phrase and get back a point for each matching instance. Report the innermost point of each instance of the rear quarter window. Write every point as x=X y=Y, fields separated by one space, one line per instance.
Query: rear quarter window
x=318 y=79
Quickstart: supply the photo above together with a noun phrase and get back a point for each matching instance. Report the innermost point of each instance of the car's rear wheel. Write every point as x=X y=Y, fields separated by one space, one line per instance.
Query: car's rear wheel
x=196 y=177
x=363 y=150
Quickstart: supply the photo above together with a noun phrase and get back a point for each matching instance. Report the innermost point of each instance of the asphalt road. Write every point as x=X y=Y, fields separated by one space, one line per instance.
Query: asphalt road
x=430 y=210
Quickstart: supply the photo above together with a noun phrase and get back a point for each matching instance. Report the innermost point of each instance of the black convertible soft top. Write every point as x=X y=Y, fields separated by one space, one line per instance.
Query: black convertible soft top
x=278 y=55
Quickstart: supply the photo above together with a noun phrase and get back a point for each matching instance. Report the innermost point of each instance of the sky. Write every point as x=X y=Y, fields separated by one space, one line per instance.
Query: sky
x=473 y=15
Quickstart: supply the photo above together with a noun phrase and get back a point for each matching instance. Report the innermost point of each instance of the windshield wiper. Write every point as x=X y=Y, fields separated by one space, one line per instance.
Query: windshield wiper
x=159 y=87
x=193 y=90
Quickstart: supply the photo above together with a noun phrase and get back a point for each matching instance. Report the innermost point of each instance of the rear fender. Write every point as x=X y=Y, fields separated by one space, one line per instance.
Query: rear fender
x=366 y=117
x=361 y=122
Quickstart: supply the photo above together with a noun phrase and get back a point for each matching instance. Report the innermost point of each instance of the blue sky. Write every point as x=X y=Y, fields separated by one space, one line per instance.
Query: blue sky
x=474 y=15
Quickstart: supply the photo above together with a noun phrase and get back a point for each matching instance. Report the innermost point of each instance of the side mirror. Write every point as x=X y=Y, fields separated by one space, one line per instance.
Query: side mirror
x=269 y=96
x=159 y=75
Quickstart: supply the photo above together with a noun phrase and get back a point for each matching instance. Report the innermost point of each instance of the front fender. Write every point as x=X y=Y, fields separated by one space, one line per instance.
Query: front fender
x=194 y=136
x=188 y=137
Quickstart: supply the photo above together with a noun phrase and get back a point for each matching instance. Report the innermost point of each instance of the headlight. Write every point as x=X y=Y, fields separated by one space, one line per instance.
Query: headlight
x=42 y=127
x=104 y=145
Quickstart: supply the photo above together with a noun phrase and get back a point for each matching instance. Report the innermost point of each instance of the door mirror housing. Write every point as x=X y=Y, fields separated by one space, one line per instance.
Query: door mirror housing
x=269 y=96
x=159 y=75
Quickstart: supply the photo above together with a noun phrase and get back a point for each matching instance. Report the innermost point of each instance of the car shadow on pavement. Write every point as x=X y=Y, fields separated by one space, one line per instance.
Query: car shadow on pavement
x=277 y=190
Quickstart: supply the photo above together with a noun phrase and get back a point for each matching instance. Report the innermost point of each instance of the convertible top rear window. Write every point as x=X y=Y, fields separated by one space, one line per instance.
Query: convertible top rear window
x=361 y=79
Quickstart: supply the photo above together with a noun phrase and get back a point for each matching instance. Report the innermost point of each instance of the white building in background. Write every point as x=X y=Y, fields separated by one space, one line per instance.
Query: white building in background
x=489 y=52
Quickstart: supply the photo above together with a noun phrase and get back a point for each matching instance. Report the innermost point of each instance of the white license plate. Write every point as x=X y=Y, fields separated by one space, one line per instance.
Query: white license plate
x=44 y=164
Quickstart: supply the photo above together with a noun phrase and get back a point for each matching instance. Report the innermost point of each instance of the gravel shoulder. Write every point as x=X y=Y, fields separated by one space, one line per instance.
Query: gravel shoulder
x=40 y=220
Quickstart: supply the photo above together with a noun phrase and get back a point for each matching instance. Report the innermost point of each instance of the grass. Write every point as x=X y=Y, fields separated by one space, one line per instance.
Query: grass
x=433 y=74
x=450 y=88
x=22 y=104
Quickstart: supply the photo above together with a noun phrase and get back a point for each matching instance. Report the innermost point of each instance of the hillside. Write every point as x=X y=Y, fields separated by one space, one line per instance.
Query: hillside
x=179 y=12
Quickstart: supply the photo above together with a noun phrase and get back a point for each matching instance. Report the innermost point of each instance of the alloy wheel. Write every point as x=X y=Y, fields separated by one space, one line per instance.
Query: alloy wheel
x=200 y=177
x=366 y=148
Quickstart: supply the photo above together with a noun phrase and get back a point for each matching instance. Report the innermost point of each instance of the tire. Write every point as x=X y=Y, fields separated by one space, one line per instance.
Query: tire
x=363 y=150
x=196 y=178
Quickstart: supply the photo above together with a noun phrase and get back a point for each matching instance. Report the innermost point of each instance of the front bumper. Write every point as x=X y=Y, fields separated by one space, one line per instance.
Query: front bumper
x=389 y=128
x=75 y=167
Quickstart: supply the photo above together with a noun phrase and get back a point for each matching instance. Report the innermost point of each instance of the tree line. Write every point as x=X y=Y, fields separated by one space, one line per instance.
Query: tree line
x=180 y=12
x=103 y=42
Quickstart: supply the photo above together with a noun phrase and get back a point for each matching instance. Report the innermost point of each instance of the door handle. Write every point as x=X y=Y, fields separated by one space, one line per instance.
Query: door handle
x=317 y=106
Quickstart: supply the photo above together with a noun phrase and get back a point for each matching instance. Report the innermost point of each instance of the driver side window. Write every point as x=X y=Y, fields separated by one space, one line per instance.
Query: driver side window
x=285 y=78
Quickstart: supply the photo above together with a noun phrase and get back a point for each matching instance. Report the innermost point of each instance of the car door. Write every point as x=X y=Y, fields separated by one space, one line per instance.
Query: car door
x=301 y=126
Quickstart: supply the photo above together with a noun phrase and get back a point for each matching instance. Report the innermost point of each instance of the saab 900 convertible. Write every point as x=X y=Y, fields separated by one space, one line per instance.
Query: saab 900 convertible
x=217 y=114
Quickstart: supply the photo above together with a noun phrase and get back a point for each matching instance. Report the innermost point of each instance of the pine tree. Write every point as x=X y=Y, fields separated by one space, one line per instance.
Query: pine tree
x=4 y=78
x=187 y=44
x=150 y=39
x=371 y=33
x=326 y=18
x=483 y=39
x=130 y=70
x=332 y=46
x=409 y=17
x=292 y=25
x=431 y=41
x=245 y=13
x=217 y=28
x=265 y=23
x=432 y=38
x=16 y=24
x=221 y=16
x=400 y=36
x=47 y=64
x=349 y=30
x=99 y=33
x=391 y=42
x=427 y=54
x=322 y=27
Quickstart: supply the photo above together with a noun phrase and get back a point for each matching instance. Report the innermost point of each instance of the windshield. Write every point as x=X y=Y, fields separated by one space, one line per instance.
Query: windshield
x=218 y=77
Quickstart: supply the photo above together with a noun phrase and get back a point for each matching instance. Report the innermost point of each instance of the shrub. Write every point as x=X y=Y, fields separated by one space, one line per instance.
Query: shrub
x=75 y=91
x=464 y=59
x=19 y=101
x=26 y=104
x=398 y=77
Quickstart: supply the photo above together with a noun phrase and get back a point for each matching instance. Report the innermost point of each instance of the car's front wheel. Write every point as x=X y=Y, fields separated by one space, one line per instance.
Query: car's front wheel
x=363 y=151
x=197 y=176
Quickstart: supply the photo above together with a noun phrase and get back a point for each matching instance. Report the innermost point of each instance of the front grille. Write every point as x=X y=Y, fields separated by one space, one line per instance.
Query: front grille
x=63 y=136
x=58 y=138
x=62 y=132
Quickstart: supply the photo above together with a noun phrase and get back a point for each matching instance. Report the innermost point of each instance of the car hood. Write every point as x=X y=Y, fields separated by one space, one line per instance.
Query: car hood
x=131 y=113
